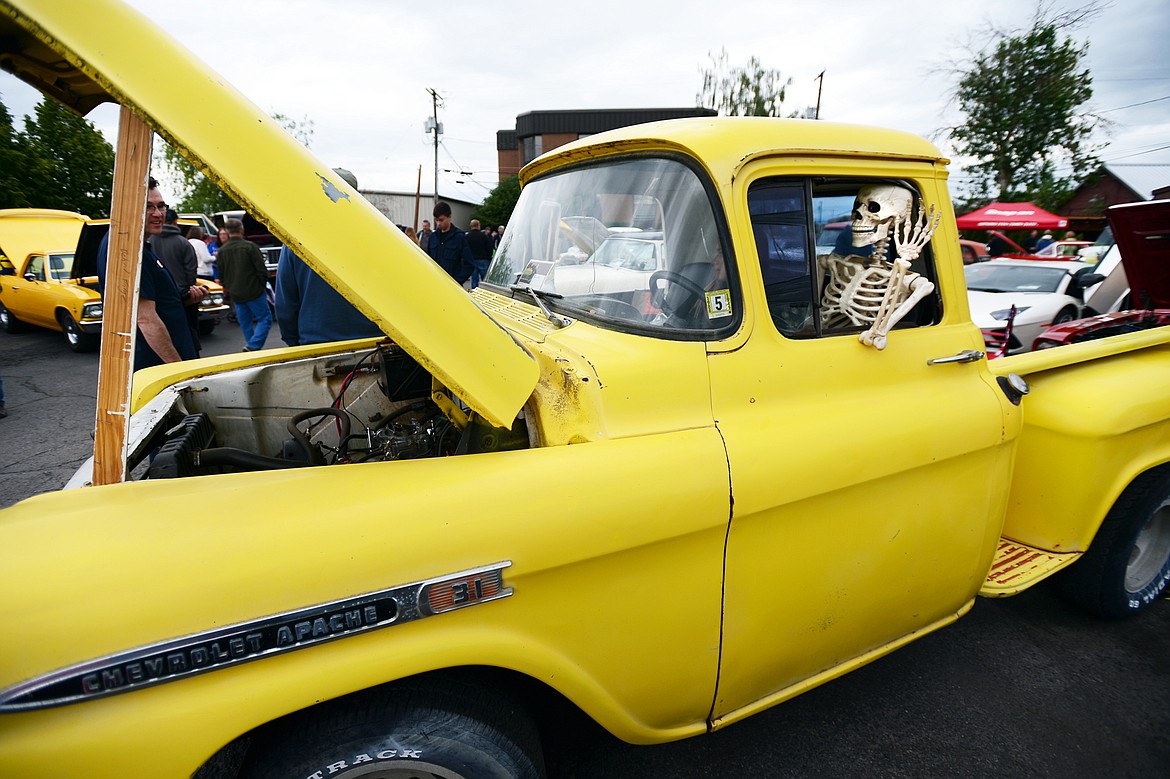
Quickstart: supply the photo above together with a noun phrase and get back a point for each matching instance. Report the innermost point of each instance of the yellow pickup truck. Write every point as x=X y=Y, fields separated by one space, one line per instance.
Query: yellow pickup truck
x=48 y=276
x=671 y=488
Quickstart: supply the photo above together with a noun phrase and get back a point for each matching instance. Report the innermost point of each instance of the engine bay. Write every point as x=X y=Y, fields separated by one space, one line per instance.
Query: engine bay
x=353 y=407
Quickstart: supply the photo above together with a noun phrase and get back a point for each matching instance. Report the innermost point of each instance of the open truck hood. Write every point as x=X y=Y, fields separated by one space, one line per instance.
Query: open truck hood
x=1142 y=231
x=25 y=231
x=84 y=54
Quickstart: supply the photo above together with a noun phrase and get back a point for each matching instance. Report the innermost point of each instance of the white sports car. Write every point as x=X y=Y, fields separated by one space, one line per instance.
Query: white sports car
x=1041 y=293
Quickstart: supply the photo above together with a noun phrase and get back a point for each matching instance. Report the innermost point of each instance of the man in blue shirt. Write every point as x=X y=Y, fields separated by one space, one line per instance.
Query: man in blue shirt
x=163 y=335
x=308 y=309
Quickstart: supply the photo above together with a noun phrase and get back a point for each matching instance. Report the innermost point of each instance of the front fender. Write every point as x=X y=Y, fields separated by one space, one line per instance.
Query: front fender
x=616 y=569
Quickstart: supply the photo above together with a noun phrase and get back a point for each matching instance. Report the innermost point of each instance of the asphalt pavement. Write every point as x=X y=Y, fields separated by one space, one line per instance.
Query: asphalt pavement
x=1021 y=687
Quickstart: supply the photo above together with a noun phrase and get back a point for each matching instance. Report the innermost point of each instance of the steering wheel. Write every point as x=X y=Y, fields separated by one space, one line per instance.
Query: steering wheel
x=658 y=294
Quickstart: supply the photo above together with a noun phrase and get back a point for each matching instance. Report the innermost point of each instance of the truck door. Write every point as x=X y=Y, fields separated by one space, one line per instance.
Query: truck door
x=31 y=296
x=868 y=486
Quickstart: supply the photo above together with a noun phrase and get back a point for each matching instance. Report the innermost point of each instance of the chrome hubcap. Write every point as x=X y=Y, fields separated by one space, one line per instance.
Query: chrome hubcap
x=1150 y=550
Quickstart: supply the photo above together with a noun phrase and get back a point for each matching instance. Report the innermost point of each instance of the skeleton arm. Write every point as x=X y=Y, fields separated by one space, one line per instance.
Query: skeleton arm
x=918 y=287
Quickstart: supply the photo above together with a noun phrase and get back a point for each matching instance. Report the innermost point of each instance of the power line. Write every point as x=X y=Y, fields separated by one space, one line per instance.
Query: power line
x=1134 y=105
x=1140 y=153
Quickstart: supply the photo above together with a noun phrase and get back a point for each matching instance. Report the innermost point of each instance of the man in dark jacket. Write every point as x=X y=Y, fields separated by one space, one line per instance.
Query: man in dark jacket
x=481 y=252
x=178 y=257
x=243 y=275
x=448 y=245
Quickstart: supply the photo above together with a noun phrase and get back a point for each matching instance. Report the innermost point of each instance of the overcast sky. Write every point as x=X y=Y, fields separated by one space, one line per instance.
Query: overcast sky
x=360 y=69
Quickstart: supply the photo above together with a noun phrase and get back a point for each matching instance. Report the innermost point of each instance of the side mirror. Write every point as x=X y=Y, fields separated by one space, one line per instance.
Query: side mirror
x=1089 y=279
x=30 y=277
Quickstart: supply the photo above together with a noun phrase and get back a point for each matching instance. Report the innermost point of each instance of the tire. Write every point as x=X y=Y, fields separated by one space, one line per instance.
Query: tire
x=10 y=323
x=428 y=730
x=1065 y=315
x=1127 y=567
x=75 y=339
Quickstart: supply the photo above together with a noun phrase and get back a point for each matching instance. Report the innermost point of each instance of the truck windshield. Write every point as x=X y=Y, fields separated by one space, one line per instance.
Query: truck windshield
x=632 y=243
x=60 y=266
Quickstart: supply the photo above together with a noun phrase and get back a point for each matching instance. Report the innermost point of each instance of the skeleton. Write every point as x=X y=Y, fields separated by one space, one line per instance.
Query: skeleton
x=876 y=292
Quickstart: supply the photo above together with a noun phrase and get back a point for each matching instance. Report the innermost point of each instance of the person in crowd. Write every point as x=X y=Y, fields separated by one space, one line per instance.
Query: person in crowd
x=308 y=309
x=998 y=246
x=499 y=236
x=481 y=252
x=221 y=238
x=178 y=257
x=204 y=263
x=410 y=233
x=1071 y=235
x=162 y=333
x=1031 y=241
x=424 y=235
x=243 y=275
x=1045 y=240
x=448 y=245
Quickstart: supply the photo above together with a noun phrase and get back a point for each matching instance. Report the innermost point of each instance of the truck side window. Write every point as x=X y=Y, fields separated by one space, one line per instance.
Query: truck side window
x=779 y=224
x=36 y=267
x=798 y=223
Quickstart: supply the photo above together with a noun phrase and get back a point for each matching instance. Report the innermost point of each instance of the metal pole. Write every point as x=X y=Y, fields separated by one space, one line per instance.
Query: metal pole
x=417 y=195
x=435 y=115
x=820 y=79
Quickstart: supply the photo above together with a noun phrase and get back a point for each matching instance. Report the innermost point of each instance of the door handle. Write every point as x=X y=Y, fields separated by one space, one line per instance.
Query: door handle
x=967 y=355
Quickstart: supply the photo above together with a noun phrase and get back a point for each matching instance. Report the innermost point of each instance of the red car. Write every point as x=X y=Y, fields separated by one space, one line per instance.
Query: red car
x=973 y=251
x=1142 y=231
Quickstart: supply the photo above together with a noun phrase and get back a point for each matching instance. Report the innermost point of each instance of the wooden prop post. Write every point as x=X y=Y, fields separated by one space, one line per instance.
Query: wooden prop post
x=120 y=301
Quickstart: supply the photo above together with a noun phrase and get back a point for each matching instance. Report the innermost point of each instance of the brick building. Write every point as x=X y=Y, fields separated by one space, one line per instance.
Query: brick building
x=539 y=131
x=1109 y=186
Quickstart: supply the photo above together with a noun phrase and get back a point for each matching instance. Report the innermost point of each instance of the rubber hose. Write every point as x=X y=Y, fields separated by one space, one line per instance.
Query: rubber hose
x=315 y=456
x=227 y=455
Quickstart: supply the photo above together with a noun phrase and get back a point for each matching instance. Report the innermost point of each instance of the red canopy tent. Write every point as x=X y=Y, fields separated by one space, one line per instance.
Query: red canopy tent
x=1011 y=216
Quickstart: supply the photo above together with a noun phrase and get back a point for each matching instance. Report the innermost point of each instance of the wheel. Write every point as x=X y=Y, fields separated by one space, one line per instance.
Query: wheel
x=77 y=340
x=10 y=323
x=1127 y=566
x=433 y=730
x=1065 y=315
x=658 y=296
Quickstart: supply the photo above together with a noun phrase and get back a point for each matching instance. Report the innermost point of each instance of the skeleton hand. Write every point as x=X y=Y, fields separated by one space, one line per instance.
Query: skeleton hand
x=910 y=237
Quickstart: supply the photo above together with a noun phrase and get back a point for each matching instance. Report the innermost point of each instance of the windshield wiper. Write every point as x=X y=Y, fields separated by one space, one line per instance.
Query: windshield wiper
x=539 y=296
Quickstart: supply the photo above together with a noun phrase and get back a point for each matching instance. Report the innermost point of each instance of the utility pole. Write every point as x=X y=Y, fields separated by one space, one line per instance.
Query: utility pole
x=820 y=79
x=434 y=126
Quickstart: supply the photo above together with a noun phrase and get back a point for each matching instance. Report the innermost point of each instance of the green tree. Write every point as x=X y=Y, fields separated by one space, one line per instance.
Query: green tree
x=497 y=207
x=12 y=186
x=742 y=91
x=1022 y=96
x=67 y=162
x=192 y=191
x=196 y=193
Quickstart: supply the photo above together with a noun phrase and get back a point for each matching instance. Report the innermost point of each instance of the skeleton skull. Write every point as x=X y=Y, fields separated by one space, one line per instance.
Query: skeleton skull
x=877 y=208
